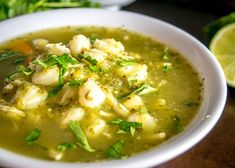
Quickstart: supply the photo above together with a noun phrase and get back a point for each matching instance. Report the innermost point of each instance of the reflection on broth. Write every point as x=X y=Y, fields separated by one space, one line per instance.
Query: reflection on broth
x=92 y=93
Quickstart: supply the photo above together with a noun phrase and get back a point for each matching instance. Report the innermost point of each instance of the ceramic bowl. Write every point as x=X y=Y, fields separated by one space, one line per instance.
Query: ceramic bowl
x=196 y=53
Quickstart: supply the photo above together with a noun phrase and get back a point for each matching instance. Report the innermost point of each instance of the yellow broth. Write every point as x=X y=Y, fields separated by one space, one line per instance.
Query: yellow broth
x=173 y=105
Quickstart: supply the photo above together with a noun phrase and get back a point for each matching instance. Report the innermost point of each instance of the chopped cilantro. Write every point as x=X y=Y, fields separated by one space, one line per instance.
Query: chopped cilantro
x=166 y=55
x=189 y=103
x=75 y=83
x=32 y=137
x=136 y=91
x=24 y=70
x=166 y=67
x=77 y=130
x=143 y=110
x=114 y=151
x=19 y=60
x=9 y=53
x=66 y=146
x=125 y=126
x=89 y=59
x=177 y=127
x=125 y=62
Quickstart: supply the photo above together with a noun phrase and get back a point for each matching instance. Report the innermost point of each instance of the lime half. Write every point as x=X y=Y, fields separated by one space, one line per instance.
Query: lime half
x=223 y=47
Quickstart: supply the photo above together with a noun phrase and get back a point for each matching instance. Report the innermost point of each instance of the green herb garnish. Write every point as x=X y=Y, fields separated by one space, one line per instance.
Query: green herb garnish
x=136 y=91
x=33 y=136
x=189 y=103
x=53 y=92
x=75 y=83
x=166 y=67
x=125 y=62
x=77 y=130
x=143 y=110
x=166 y=55
x=24 y=70
x=115 y=150
x=8 y=53
x=89 y=59
x=19 y=60
x=62 y=61
x=177 y=127
x=125 y=126
x=66 y=146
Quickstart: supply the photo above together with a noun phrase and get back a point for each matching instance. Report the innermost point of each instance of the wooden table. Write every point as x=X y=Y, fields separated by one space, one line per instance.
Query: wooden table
x=217 y=150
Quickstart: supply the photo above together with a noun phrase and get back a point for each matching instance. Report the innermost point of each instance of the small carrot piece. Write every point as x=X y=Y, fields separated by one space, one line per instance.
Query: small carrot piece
x=22 y=46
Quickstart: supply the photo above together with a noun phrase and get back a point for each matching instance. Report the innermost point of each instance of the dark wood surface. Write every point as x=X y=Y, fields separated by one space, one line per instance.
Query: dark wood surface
x=217 y=150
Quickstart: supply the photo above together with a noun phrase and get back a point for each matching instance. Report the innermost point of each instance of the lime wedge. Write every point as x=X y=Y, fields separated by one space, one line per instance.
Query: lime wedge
x=223 y=47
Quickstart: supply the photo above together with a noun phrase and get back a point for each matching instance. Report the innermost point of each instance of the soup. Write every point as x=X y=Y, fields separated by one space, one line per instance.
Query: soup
x=84 y=94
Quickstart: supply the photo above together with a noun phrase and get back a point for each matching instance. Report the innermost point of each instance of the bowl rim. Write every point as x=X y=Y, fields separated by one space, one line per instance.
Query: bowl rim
x=148 y=158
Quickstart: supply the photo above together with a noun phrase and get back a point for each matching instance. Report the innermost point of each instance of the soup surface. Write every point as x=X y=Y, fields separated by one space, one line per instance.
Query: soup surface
x=92 y=93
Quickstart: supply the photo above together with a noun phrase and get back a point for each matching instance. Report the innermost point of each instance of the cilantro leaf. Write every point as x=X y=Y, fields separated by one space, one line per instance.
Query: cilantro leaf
x=114 y=151
x=8 y=53
x=55 y=91
x=126 y=126
x=166 y=67
x=66 y=146
x=176 y=123
x=19 y=60
x=75 y=83
x=33 y=136
x=166 y=55
x=24 y=70
x=77 y=130
x=89 y=59
x=143 y=110
x=125 y=62
x=189 y=103
x=136 y=91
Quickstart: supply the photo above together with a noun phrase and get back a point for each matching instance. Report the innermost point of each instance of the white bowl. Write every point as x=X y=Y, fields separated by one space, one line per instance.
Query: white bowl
x=198 y=55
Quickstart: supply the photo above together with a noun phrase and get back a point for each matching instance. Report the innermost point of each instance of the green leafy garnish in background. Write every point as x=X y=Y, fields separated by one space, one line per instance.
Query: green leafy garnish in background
x=211 y=28
x=12 y=8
